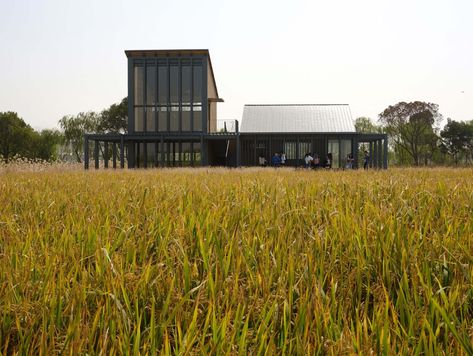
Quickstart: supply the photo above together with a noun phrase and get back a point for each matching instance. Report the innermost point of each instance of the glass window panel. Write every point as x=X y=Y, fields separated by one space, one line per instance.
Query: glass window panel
x=140 y=155
x=304 y=147
x=174 y=120
x=197 y=119
x=290 y=150
x=197 y=84
x=345 y=150
x=186 y=118
x=186 y=154
x=334 y=150
x=174 y=84
x=196 y=153
x=151 y=154
x=150 y=84
x=139 y=82
x=163 y=84
x=139 y=119
x=186 y=84
x=170 y=155
x=150 y=119
x=163 y=119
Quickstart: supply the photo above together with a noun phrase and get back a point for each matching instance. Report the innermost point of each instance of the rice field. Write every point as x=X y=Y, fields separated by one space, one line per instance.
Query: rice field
x=250 y=262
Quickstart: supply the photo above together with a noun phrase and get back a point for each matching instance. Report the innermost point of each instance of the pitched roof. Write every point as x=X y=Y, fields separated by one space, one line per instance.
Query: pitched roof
x=310 y=118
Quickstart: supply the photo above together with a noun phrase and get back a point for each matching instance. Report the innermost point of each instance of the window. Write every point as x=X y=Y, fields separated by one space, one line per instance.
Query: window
x=186 y=84
x=162 y=84
x=186 y=118
x=304 y=147
x=151 y=154
x=174 y=119
x=174 y=84
x=139 y=82
x=163 y=118
x=290 y=149
x=150 y=119
x=197 y=118
x=196 y=153
x=150 y=84
x=345 y=150
x=139 y=119
x=334 y=149
x=186 y=153
x=197 y=74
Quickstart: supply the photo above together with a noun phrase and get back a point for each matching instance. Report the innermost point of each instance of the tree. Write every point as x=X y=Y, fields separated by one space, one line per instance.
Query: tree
x=75 y=127
x=457 y=139
x=47 y=143
x=365 y=125
x=16 y=136
x=412 y=129
x=114 y=119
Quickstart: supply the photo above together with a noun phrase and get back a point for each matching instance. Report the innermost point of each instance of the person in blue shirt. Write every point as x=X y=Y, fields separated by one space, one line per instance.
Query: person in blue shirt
x=276 y=160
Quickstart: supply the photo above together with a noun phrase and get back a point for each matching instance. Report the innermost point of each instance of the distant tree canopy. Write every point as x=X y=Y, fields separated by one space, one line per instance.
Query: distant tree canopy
x=74 y=129
x=365 y=125
x=457 y=140
x=111 y=120
x=412 y=129
x=114 y=119
x=18 y=139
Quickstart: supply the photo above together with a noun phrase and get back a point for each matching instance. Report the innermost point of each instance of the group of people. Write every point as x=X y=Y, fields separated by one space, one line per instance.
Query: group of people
x=278 y=160
x=313 y=161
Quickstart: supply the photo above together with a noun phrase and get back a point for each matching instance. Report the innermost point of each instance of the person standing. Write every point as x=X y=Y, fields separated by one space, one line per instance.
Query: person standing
x=316 y=161
x=276 y=160
x=329 y=161
x=262 y=161
x=283 y=159
x=308 y=160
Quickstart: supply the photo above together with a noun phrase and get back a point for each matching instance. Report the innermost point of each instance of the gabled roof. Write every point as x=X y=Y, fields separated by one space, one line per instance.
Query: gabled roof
x=180 y=53
x=301 y=118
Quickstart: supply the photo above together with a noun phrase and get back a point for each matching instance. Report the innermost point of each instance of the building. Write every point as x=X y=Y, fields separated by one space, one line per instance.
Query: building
x=172 y=122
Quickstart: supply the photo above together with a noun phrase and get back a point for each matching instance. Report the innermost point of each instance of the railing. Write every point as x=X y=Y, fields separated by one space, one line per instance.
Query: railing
x=227 y=126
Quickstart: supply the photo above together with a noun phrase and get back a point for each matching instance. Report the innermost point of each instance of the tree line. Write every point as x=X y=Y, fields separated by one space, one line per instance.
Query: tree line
x=18 y=139
x=413 y=130
x=415 y=137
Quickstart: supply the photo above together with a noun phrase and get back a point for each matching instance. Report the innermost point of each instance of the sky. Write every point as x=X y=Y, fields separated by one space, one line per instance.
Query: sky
x=61 y=57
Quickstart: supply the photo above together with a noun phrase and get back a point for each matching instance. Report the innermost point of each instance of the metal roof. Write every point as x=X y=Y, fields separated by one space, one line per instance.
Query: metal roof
x=310 y=118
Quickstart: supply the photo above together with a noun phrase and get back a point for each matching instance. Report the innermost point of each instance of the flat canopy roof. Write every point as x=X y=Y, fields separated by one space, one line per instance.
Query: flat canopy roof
x=166 y=52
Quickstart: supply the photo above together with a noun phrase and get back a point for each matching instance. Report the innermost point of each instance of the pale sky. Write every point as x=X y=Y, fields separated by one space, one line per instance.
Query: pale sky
x=60 y=57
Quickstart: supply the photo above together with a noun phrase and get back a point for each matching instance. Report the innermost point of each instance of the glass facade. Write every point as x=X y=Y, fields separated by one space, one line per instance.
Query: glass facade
x=173 y=154
x=345 y=150
x=168 y=95
x=334 y=149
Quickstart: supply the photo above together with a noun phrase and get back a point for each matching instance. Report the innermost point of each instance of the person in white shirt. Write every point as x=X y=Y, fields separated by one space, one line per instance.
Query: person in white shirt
x=283 y=159
x=262 y=161
x=308 y=160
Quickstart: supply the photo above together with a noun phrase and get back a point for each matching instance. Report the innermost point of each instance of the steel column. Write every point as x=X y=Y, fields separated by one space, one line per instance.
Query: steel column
x=86 y=153
x=105 y=154
x=163 y=163
x=385 y=156
x=380 y=155
x=96 y=153
x=114 y=155
x=122 y=152
x=370 y=163
x=238 y=144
